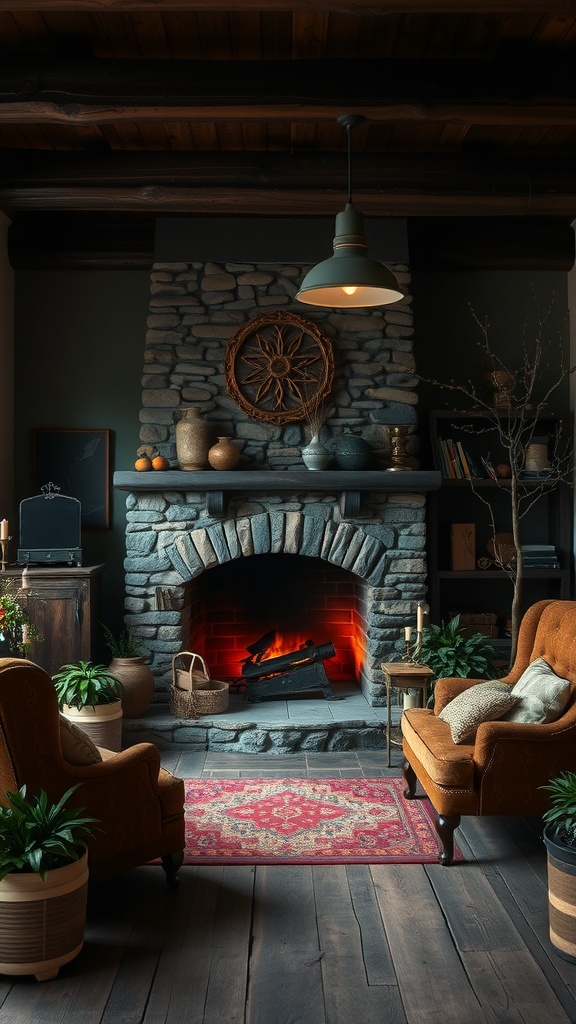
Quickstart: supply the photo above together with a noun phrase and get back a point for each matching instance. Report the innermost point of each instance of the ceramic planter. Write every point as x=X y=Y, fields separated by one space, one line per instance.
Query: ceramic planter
x=102 y=723
x=138 y=684
x=561 y=895
x=42 y=923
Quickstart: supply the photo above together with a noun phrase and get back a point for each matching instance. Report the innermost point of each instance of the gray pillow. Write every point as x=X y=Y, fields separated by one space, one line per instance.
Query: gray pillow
x=484 y=702
x=542 y=695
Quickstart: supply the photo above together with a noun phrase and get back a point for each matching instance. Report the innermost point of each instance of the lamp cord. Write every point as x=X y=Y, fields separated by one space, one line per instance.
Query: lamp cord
x=349 y=133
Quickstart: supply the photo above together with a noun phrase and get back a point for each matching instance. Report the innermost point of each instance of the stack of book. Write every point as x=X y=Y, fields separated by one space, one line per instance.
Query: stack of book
x=455 y=461
x=540 y=556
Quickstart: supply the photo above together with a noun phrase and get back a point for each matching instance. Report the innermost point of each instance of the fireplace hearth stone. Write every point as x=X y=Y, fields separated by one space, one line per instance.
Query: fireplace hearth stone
x=270 y=727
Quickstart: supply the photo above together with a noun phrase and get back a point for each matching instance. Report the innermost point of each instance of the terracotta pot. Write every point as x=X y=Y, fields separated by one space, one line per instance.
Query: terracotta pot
x=138 y=685
x=102 y=723
x=224 y=454
x=43 y=922
x=193 y=439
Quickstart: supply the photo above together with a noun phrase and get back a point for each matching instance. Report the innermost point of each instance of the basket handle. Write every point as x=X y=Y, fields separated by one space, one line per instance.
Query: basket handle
x=192 y=655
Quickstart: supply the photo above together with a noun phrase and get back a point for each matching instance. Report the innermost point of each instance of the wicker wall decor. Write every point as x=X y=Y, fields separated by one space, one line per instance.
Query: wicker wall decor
x=279 y=367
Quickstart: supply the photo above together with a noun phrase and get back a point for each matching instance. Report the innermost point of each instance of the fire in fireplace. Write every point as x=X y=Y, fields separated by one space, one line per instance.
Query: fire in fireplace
x=297 y=672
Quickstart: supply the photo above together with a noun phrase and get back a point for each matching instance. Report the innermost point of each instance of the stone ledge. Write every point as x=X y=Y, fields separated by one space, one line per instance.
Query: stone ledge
x=233 y=734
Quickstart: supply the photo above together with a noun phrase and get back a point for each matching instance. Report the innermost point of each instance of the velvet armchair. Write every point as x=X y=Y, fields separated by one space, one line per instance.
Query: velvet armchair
x=499 y=767
x=139 y=805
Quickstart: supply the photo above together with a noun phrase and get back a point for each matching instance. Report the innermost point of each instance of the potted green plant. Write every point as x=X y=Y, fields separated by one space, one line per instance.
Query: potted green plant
x=451 y=651
x=129 y=666
x=17 y=631
x=560 y=840
x=90 y=696
x=43 y=883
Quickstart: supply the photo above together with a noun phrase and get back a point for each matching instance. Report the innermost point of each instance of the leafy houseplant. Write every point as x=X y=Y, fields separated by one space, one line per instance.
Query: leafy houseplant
x=560 y=818
x=89 y=696
x=450 y=651
x=36 y=835
x=43 y=883
x=85 y=683
x=125 y=645
x=17 y=631
x=560 y=841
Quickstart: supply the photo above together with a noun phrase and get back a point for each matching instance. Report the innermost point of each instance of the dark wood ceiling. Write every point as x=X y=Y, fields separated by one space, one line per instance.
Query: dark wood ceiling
x=117 y=111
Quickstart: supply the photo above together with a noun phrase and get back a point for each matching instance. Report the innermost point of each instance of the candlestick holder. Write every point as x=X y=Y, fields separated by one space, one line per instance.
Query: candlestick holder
x=398 y=460
x=4 y=548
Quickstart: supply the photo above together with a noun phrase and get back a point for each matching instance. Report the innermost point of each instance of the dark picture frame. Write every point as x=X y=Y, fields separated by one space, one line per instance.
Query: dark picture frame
x=78 y=463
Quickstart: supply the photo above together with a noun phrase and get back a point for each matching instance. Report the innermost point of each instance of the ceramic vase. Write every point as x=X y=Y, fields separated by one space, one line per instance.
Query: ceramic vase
x=193 y=440
x=138 y=685
x=352 y=452
x=224 y=454
x=315 y=455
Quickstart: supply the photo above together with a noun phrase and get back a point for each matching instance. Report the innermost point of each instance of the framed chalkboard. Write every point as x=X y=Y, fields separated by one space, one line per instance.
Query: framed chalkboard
x=77 y=462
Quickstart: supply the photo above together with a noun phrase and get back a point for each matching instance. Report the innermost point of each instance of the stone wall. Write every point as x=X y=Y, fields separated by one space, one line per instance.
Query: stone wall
x=195 y=308
x=170 y=539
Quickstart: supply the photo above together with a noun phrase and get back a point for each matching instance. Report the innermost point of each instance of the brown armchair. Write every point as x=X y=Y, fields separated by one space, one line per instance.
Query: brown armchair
x=501 y=768
x=139 y=805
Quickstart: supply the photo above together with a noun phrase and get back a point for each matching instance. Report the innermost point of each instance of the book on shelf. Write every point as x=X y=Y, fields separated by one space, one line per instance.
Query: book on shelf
x=488 y=468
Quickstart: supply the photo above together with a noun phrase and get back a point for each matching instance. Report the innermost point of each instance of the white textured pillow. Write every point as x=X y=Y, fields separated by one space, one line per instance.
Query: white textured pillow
x=77 y=747
x=542 y=695
x=484 y=702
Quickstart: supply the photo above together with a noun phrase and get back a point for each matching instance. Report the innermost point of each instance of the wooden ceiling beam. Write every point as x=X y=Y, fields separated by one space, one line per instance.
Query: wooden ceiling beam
x=241 y=201
x=77 y=93
x=355 y=7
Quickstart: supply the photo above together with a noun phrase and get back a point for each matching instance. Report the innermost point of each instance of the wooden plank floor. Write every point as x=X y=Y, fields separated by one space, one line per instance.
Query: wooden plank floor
x=383 y=944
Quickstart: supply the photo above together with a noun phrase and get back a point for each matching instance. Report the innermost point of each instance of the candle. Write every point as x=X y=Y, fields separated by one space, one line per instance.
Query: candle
x=419 y=618
x=4 y=530
x=407 y=632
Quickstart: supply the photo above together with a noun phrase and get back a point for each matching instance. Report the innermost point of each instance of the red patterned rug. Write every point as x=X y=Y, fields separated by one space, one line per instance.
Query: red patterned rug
x=307 y=821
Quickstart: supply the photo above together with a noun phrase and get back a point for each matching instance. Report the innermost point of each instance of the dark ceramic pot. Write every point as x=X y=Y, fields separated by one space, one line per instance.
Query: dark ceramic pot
x=352 y=452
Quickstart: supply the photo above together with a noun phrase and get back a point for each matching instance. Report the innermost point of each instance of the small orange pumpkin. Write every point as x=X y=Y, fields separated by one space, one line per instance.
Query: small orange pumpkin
x=142 y=464
x=159 y=462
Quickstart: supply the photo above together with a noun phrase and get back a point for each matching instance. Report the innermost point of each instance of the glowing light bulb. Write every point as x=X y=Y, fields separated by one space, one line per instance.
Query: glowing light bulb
x=350 y=290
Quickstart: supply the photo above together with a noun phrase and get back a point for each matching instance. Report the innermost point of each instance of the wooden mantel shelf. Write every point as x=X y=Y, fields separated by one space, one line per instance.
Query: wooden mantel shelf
x=216 y=484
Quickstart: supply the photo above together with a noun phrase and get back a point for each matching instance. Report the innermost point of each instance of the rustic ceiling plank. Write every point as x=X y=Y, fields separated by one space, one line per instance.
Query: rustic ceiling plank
x=282 y=202
x=76 y=114
x=562 y=7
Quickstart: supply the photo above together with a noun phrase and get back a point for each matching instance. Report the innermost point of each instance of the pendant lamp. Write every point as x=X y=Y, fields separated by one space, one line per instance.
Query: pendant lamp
x=350 y=278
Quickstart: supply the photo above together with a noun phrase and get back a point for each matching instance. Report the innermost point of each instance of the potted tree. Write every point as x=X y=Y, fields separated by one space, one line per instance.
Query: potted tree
x=90 y=696
x=129 y=666
x=451 y=651
x=560 y=840
x=43 y=883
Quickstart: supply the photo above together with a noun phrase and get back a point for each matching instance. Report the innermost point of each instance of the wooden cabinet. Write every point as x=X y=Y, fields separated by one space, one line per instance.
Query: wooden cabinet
x=64 y=605
x=468 y=504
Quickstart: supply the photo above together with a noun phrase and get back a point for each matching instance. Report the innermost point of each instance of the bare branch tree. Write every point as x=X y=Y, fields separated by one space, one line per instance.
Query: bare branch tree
x=522 y=397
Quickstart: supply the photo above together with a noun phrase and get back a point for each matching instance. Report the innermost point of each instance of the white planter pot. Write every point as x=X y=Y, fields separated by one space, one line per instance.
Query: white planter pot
x=42 y=923
x=102 y=723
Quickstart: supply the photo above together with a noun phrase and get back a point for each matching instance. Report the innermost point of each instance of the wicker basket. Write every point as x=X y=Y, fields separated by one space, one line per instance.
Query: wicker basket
x=193 y=693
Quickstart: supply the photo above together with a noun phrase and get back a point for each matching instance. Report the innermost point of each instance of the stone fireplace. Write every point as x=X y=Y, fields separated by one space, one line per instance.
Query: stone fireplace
x=216 y=559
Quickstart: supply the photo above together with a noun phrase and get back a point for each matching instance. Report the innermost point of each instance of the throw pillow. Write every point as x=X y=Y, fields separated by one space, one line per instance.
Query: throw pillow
x=542 y=695
x=77 y=747
x=484 y=702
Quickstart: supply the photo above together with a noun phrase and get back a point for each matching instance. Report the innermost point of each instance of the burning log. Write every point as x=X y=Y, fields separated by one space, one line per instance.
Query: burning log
x=287 y=674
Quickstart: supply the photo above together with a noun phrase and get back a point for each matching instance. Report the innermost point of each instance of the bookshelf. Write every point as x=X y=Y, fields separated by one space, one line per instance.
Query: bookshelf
x=465 y=448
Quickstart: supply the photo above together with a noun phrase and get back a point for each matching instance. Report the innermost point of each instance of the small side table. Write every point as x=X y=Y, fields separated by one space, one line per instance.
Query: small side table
x=403 y=676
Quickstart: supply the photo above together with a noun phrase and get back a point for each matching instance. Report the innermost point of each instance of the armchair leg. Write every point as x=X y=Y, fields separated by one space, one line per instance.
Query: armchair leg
x=445 y=826
x=171 y=862
x=410 y=779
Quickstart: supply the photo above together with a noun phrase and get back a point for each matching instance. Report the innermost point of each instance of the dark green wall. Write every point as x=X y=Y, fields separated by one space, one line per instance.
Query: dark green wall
x=79 y=358
x=446 y=336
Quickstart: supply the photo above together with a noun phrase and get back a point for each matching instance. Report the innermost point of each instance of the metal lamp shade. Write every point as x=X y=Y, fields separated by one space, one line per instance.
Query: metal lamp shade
x=349 y=279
